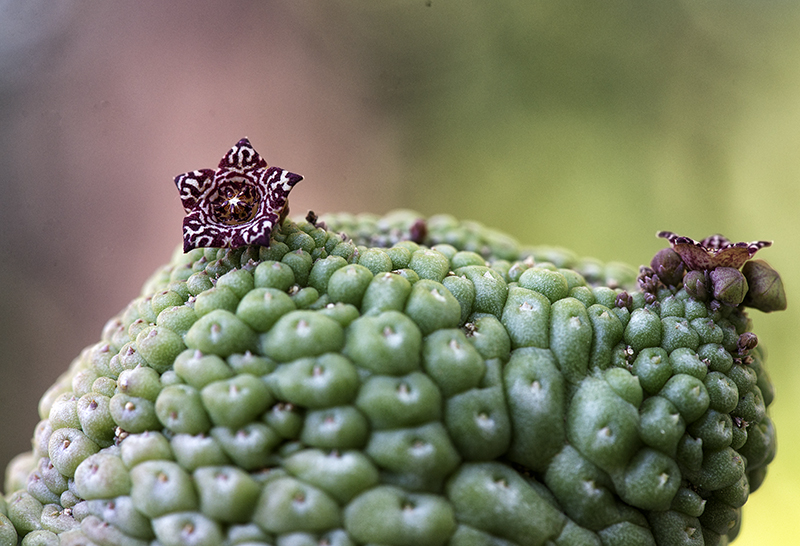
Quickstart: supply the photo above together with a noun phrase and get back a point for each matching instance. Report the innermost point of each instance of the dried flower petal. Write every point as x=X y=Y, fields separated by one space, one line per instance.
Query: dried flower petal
x=711 y=252
x=236 y=205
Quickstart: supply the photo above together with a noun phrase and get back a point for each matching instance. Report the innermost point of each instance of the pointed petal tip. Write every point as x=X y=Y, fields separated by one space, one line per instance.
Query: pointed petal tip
x=294 y=178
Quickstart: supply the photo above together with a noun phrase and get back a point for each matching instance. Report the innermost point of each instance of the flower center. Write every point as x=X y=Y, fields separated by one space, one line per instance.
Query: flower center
x=236 y=204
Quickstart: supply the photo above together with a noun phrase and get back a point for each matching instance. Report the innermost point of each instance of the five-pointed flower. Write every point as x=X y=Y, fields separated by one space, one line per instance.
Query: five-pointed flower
x=712 y=252
x=238 y=204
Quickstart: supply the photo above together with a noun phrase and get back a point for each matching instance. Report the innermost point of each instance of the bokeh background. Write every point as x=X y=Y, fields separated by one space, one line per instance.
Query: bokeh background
x=585 y=124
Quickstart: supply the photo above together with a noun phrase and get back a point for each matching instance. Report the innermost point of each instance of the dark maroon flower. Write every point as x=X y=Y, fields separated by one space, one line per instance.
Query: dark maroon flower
x=713 y=251
x=236 y=205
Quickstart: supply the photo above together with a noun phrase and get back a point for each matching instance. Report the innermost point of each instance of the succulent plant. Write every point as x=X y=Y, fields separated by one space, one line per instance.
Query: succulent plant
x=402 y=380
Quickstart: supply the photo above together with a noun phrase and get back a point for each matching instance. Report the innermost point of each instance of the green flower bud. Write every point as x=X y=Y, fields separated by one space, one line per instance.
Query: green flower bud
x=696 y=285
x=766 y=287
x=730 y=286
x=668 y=265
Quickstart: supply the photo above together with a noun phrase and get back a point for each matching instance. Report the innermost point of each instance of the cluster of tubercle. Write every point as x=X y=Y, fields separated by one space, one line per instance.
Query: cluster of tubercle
x=127 y=395
x=415 y=381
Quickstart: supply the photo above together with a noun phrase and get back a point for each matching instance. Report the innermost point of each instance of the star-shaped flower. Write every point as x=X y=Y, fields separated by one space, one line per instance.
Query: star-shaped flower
x=712 y=252
x=236 y=205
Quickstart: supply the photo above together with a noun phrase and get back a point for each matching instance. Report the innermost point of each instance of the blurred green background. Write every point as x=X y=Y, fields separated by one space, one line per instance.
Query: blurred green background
x=583 y=124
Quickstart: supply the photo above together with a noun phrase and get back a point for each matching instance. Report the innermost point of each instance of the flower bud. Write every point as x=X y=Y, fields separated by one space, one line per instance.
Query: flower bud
x=729 y=284
x=766 y=287
x=695 y=284
x=648 y=280
x=746 y=342
x=624 y=300
x=668 y=265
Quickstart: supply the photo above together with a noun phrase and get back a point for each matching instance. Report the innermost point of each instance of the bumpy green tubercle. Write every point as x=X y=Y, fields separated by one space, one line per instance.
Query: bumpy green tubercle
x=348 y=385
